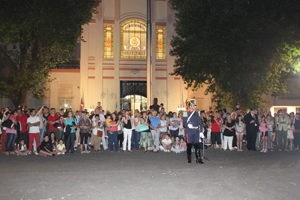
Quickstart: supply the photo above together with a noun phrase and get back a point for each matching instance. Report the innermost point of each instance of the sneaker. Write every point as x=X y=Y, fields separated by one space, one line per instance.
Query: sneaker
x=262 y=151
x=279 y=149
x=7 y=153
x=286 y=150
x=137 y=148
x=265 y=151
x=58 y=153
x=63 y=153
x=29 y=152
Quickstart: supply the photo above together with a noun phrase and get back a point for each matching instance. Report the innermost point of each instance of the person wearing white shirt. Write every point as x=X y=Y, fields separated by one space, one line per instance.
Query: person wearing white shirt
x=33 y=123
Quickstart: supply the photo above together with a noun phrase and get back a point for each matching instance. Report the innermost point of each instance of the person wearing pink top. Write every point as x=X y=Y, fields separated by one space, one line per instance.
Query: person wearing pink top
x=11 y=135
x=264 y=134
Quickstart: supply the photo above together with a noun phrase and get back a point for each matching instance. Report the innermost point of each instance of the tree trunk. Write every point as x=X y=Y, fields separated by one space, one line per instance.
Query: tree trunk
x=20 y=99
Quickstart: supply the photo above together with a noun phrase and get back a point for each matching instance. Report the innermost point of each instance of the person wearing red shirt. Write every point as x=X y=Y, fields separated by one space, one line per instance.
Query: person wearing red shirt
x=54 y=121
x=216 y=131
x=22 y=118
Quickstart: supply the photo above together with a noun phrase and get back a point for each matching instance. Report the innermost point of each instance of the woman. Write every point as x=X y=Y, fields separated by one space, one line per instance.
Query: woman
x=120 y=130
x=112 y=132
x=10 y=135
x=127 y=121
x=53 y=141
x=146 y=136
x=239 y=132
x=70 y=131
x=136 y=122
x=97 y=126
x=181 y=128
x=174 y=126
x=85 y=127
x=228 y=133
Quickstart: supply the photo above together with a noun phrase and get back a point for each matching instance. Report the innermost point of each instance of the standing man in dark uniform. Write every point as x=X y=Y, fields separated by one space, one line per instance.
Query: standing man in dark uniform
x=193 y=131
x=252 y=127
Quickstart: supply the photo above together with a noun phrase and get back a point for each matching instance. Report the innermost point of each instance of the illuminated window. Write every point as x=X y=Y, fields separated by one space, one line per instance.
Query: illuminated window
x=133 y=40
x=108 y=41
x=160 y=43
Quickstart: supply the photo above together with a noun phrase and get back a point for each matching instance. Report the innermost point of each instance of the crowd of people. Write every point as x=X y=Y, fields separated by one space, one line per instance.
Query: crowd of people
x=46 y=132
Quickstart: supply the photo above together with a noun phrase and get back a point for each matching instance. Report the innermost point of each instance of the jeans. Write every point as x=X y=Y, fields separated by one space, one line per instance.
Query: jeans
x=127 y=135
x=70 y=143
x=3 y=137
x=135 y=139
x=41 y=135
x=282 y=135
x=10 y=140
x=113 y=138
x=174 y=133
x=104 y=141
x=83 y=147
x=155 y=136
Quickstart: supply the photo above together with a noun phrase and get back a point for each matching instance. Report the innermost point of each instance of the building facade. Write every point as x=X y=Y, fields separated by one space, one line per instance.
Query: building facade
x=110 y=66
x=113 y=64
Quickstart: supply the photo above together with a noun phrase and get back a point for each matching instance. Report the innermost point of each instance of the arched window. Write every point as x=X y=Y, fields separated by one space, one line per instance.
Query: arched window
x=133 y=40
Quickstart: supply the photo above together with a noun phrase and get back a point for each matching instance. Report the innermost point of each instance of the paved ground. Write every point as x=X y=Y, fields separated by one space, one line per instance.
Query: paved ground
x=228 y=175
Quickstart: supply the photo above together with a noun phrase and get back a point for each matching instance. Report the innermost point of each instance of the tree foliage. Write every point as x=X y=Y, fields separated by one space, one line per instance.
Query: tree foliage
x=241 y=49
x=39 y=35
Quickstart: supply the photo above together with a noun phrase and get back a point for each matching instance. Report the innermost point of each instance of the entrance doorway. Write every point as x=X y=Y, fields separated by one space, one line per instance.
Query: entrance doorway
x=133 y=95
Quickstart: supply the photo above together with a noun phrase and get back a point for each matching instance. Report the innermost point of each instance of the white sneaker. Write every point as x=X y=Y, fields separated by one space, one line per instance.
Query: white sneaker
x=29 y=152
x=262 y=151
x=63 y=153
x=58 y=153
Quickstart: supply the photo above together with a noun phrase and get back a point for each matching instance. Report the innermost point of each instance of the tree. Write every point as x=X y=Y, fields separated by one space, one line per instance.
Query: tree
x=241 y=49
x=41 y=34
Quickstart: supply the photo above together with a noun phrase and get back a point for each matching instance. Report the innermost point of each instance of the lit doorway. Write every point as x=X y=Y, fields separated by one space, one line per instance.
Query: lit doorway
x=133 y=102
x=133 y=95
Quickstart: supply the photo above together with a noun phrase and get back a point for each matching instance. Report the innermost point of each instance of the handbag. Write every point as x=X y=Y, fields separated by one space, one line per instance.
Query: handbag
x=142 y=128
x=99 y=133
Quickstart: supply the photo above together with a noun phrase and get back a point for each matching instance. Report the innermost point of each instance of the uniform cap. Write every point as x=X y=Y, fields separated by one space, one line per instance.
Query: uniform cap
x=191 y=102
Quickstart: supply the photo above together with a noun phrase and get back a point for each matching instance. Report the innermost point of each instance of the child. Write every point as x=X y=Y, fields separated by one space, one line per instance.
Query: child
x=45 y=149
x=166 y=143
x=163 y=127
x=21 y=148
x=264 y=134
x=176 y=147
x=183 y=144
x=61 y=148
x=290 y=135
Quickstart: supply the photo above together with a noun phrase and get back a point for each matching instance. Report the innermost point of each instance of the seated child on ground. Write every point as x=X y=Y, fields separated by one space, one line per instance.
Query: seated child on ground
x=45 y=148
x=21 y=148
x=176 y=147
x=61 y=148
x=166 y=143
